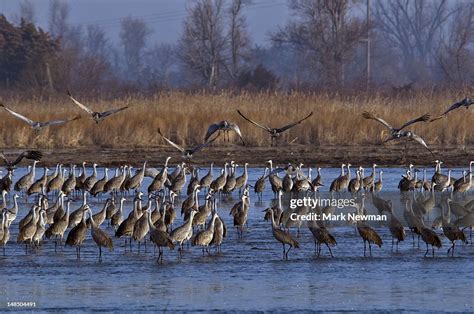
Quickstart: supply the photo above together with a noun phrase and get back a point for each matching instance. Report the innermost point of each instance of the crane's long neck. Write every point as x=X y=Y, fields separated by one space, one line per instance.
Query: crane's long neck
x=279 y=200
x=121 y=206
x=150 y=222
x=274 y=226
x=94 y=171
x=342 y=170
x=33 y=170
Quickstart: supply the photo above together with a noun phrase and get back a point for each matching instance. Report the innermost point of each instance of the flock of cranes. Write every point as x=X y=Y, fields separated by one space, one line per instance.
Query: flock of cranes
x=202 y=224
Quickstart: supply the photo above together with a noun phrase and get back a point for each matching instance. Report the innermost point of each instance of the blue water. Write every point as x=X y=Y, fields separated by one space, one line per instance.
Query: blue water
x=249 y=274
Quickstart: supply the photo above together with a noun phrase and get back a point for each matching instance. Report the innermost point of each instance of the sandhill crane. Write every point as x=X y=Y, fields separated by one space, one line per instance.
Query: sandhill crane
x=277 y=210
x=116 y=180
x=413 y=221
x=187 y=152
x=466 y=221
x=342 y=182
x=205 y=181
x=283 y=237
x=39 y=185
x=70 y=183
x=322 y=235
x=287 y=183
x=96 y=116
x=430 y=238
x=169 y=209
x=369 y=180
x=5 y=234
x=220 y=230
x=117 y=218
x=81 y=178
x=369 y=235
x=29 y=154
x=275 y=132
x=40 y=228
x=141 y=228
x=443 y=185
x=241 y=181
x=377 y=186
x=396 y=133
x=99 y=217
x=58 y=228
x=466 y=102
x=231 y=181
x=259 y=186
x=76 y=216
x=159 y=180
x=12 y=212
x=223 y=126
x=203 y=211
x=57 y=182
x=126 y=227
x=396 y=228
x=204 y=237
x=26 y=234
x=91 y=180
x=160 y=238
x=181 y=233
x=193 y=182
x=135 y=182
x=189 y=202
x=219 y=183
x=179 y=181
x=275 y=181
x=318 y=181
x=110 y=209
x=100 y=237
x=453 y=234
x=355 y=184
x=37 y=125
x=464 y=185
x=27 y=180
x=77 y=235
x=100 y=184
x=240 y=217
x=6 y=182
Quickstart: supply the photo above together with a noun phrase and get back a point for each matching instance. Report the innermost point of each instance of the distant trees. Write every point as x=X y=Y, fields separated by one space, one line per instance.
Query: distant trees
x=414 y=43
x=326 y=33
x=133 y=36
x=25 y=52
x=214 y=40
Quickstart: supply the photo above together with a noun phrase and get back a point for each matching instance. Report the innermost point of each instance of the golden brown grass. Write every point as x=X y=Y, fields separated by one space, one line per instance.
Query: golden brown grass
x=185 y=118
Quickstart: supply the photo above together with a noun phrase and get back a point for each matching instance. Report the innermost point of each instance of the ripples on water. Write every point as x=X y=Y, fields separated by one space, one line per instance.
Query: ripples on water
x=248 y=275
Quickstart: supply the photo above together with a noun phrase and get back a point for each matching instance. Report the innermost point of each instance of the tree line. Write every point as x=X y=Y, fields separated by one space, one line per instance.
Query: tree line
x=413 y=43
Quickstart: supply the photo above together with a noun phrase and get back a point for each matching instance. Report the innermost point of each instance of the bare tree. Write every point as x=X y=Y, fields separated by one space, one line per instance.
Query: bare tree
x=203 y=42
x=326 y=33
x=97 y=43
x=160 y=63
x=133 y=36
x=239 y=39
x=455 y=55
x=58 y=15
x=414 y=29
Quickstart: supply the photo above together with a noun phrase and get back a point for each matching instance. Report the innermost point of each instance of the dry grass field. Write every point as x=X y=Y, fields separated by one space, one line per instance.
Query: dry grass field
x=184 y=118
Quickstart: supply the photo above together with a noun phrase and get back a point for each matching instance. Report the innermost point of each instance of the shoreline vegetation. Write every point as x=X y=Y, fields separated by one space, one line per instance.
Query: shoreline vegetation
x=334 y=133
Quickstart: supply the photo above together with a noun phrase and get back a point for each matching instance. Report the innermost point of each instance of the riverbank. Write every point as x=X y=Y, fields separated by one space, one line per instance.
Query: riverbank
x=327 y=156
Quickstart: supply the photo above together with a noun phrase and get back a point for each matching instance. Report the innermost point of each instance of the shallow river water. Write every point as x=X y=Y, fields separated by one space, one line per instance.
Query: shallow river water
x=249 y=274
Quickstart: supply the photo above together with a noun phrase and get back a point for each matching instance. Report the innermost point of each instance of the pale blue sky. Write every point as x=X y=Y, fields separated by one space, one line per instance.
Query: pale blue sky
x=164 y=17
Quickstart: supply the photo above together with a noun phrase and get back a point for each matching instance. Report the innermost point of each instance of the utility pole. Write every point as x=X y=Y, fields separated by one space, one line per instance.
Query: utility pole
x=368 y=44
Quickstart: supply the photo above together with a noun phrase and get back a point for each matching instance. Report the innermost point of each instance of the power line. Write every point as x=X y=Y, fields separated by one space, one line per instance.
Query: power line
x=169 y=16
